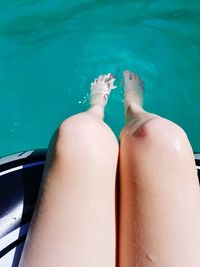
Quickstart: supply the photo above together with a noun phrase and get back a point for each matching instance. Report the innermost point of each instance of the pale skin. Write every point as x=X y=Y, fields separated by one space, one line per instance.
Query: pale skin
x=158 y=220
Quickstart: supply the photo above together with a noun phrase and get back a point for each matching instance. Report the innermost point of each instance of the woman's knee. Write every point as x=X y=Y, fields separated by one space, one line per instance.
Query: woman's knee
x=84 y=133
x=158 y=148
x=159 y=133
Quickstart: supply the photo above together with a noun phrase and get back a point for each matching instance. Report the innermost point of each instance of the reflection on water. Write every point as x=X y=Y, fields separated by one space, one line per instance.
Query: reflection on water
x=51 y=50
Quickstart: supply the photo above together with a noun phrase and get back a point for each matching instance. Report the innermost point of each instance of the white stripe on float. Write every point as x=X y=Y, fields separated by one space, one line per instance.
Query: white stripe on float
x=11 y=258
x=197 y=156
x=11 y=170
x=13 y=157
x=13 y=236
x=198 y=167
x=8 y=259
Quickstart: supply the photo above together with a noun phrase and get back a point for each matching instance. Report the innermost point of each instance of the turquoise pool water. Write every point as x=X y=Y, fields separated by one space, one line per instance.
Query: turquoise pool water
x=50 y=51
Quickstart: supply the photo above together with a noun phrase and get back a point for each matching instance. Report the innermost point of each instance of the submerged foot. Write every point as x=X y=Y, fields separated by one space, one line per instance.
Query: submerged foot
x=134 y=89
x=100 y=90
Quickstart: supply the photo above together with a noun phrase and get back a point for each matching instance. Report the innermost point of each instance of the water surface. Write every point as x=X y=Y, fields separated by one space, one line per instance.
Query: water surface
x=50 y=51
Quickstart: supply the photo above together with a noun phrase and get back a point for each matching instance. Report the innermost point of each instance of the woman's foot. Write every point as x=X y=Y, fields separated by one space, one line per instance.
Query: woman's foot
x=133 y=91
x=100 y=90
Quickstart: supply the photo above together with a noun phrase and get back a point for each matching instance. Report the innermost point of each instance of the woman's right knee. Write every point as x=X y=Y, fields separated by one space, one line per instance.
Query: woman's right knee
x=161 y=149
x=160 y=134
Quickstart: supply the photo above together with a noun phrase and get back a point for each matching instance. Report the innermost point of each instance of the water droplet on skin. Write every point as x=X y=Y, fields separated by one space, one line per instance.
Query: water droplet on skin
x=151 y=257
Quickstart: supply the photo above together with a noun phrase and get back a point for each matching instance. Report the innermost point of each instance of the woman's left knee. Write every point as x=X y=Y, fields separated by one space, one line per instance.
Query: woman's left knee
x=83 y=132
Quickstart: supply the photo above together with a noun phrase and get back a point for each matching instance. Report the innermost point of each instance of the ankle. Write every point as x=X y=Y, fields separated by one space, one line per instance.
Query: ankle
x=99 y=100
x=134 y=108
x=97 y=111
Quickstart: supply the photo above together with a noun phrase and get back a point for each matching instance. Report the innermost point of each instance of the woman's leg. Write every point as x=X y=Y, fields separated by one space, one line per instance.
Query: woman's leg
x=74 y=221
x=159 y=190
